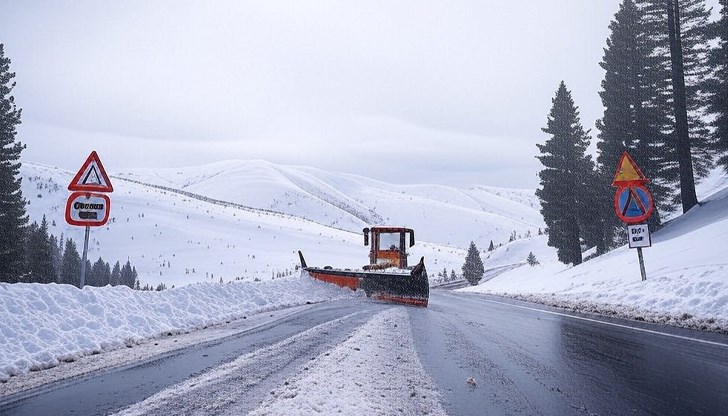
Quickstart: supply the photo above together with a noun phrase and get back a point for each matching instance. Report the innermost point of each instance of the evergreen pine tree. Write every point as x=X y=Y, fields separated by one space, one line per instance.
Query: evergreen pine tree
x=91 y=276
x=13 y=218
x=453 y=277
x=39 y=254
x=632 y=121
x=693 y=134
x=717 y=85
x=71 y=264
x=682 y=141
x=56 y=258
x=491 y=247
x=31 y=232
x=129 y=276
x=531 y=259
x=106 y=274
x=126 y=275
x=116 y=274
x=100 y=274
x=591 y=209
x=473 y=268
x=563 y=179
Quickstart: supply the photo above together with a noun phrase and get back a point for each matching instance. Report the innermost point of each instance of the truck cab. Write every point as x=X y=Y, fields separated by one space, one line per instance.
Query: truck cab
x=388 y=246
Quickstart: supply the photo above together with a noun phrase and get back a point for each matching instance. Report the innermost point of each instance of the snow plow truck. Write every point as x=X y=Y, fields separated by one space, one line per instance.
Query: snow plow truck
x=387 y=277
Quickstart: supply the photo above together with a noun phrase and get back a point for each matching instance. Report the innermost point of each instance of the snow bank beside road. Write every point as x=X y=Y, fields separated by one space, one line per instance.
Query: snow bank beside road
x=45 y=324
x=687 y=275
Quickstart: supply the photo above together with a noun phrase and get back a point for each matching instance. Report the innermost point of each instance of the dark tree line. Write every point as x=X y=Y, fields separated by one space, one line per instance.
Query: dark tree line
x=665 y=101
x=55 y=260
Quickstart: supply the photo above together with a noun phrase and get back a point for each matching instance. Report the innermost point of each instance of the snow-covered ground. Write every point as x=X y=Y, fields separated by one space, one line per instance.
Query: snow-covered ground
x=167 y=234
x=687 y=271
x=44 y=325
x=247 y=219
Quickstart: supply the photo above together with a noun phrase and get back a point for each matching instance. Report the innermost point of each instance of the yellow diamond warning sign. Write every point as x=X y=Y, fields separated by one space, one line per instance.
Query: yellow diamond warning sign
x=628 y=173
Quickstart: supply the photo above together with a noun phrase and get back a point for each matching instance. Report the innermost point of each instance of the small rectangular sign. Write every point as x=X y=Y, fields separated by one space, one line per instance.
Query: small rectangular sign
x=639 y=236
x=87 y=209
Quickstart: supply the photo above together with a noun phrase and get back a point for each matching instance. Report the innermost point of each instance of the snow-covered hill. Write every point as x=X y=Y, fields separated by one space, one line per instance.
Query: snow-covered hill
x=352 y=202
x=247 y=219
x=687 y=270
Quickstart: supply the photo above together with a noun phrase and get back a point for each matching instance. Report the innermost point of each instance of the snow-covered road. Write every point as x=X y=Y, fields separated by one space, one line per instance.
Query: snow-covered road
x=373 y=371
x=465 y=354
x=348 y=356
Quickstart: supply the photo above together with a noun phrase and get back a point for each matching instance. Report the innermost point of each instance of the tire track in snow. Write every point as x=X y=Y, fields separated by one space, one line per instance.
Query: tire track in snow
x=244 y=382
x=374 y=372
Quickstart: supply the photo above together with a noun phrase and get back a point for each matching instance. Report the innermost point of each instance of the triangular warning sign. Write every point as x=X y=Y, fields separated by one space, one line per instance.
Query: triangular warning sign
x=628 y=173
x=91 y=176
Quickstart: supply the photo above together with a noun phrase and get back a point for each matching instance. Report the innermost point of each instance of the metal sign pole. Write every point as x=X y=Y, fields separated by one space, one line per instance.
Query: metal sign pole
x=642 y=264
x=85 y=253
x=633 y=204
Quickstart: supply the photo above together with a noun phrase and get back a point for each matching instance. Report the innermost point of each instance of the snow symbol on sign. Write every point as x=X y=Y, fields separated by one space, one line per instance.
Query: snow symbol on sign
x=91 y=176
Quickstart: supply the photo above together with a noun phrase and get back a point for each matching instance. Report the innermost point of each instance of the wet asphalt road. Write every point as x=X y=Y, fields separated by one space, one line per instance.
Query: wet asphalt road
x=525 y=359
x=532 y=360
x=109 y=391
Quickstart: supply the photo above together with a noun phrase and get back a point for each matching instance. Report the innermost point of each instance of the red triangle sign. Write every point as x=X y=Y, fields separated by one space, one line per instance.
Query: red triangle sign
x=91 y=176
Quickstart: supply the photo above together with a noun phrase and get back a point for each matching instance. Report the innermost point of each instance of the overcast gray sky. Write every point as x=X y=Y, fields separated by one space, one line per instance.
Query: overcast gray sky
x=450 y=92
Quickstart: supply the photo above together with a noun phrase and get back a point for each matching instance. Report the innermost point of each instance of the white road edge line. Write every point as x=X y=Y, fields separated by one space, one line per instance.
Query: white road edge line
x=612 y=324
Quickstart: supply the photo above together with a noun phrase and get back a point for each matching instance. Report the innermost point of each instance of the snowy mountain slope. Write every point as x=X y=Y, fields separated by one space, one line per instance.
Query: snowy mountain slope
x=175 y=238
x=257 y=184
x=352 y=202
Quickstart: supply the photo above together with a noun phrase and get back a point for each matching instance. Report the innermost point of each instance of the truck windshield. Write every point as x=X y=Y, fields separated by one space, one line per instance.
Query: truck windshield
x=389 y=241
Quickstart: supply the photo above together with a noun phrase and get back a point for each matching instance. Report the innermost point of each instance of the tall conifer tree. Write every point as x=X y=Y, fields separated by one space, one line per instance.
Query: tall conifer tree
x=116 y=275
x=128 y=275
x=39 y=254
x=13 y=218
x=565 y=177
x=717 y=85
x=56 y=257
x=100 y=274
x=631 y=120
x=694 y=22
x=71 y=264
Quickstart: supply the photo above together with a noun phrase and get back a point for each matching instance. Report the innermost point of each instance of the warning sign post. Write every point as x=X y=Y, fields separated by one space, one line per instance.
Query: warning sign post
x=85 y=207
x=633 y=204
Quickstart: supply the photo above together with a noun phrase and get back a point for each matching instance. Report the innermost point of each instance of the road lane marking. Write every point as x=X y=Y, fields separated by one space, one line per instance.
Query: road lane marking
x=650 y=331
